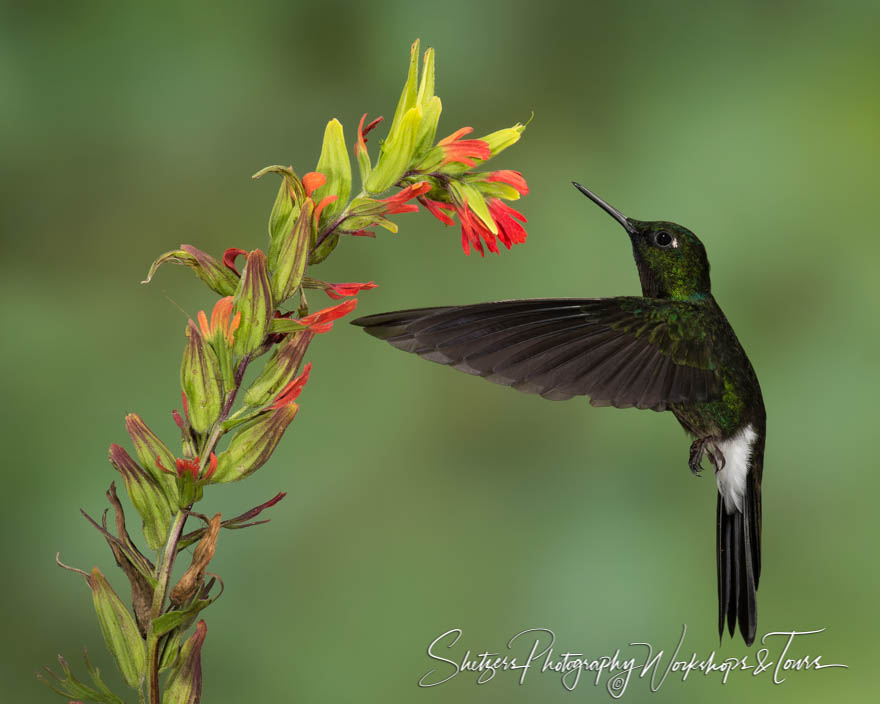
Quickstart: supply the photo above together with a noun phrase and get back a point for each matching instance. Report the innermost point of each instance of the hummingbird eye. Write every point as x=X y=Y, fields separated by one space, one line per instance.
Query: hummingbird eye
x=663 y=239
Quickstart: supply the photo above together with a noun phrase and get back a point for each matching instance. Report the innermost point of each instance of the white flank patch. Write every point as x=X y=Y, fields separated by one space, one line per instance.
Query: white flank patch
x=731 y=480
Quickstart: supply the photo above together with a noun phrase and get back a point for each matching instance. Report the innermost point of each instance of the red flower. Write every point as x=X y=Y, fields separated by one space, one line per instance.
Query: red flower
x=436 y=208
x=361 y=145
x=191 y=467
x=474 y=232
x=397 y=203
x=339 y=291
x=229 y=257
x=290 y=392
x=325 y=201
x=511 y=178
x=510 y=232
x=322 y=321
x=312 y=181
x=222 y=323
x=464 y=151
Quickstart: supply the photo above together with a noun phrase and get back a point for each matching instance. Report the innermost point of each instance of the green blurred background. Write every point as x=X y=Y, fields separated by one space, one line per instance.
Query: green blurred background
x=420 y=499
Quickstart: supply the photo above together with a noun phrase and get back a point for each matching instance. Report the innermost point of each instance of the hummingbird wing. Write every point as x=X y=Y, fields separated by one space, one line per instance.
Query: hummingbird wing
x=623 y=352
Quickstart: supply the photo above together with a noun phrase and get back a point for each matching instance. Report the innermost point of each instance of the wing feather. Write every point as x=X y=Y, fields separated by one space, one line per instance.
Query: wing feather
x=624 y=352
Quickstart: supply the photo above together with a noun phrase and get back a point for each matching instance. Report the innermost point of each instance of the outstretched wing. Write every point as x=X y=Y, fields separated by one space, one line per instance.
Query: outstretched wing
x=624 y=352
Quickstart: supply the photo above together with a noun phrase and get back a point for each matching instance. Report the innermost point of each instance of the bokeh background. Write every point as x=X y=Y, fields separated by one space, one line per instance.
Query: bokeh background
x=420 y=499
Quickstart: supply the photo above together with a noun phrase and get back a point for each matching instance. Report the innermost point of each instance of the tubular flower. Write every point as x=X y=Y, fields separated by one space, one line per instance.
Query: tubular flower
x=474 y=232
x=223 y=324
x=339 y=291
x=398 y=202
x=322 y=321
x=362 y=140
x=312 y=181
x=511 y=178
x=291 y=392
x=510 y=232
x=436 y=208
x=325 y=201
x=229 y=257
x=463 y=151
x=191 y=468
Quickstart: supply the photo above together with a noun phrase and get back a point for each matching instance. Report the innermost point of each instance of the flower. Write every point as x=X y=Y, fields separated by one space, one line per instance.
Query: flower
x=312 y=181
x=223 y=325
x=325 y=201
x=339 y=291
x=510 y=232
x=397 y=203
x=192 y=468
x=290 y=392
x=361 y=146
x=511 y=178
x=322 y=321
x=463 y=151
x=474 y=232
x=229 y=257
x=436 y=208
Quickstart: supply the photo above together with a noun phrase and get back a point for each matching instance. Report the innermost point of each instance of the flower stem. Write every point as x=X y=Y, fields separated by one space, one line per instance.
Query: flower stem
x=163 y=575
x=166 y=563
x=330 y=228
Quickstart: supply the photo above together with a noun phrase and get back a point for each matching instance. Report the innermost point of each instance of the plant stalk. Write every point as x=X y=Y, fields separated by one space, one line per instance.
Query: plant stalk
x=163 y=574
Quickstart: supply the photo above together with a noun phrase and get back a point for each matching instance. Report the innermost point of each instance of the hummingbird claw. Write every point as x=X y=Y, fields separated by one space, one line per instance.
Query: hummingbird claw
x=696 y=457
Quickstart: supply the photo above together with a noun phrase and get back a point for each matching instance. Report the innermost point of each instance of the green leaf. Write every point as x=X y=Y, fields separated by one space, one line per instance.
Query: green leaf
x=335 y=165
x=426 y=86
x=170 y=649
x=281 y=220
x=397 y=153
x=200 y=380
x=185 y=617
x=253 y=300
x=323 y=250
x=495 y=189
x=119 y=630
x=208 y=269
x=283 y=325
x=95 y=674
x=466 y=193
x=428 y=127
x=409 y=94
x=292 y=255
x=72 y=688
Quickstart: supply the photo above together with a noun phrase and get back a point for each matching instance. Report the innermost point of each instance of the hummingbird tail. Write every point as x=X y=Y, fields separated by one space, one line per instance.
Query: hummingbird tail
x=739 y=562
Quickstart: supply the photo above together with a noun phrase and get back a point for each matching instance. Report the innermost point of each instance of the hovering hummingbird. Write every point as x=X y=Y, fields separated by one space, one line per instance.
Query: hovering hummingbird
x=671 y=349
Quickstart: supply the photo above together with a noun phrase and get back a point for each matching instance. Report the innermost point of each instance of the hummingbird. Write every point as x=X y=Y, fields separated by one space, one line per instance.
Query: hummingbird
x=670 y=349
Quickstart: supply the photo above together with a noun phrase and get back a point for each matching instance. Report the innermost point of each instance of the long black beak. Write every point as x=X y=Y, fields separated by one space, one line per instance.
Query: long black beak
x=613 y=212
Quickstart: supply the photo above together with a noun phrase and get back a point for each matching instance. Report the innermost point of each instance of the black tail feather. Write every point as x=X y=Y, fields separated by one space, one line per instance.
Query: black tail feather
x=739 y=563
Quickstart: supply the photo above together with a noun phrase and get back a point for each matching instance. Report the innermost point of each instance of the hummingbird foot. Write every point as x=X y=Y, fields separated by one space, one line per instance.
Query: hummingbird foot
x=707 y=446
x=698 y=447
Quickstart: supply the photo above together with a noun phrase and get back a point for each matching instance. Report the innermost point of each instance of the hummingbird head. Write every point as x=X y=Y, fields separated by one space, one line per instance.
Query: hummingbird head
x=671 y=260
